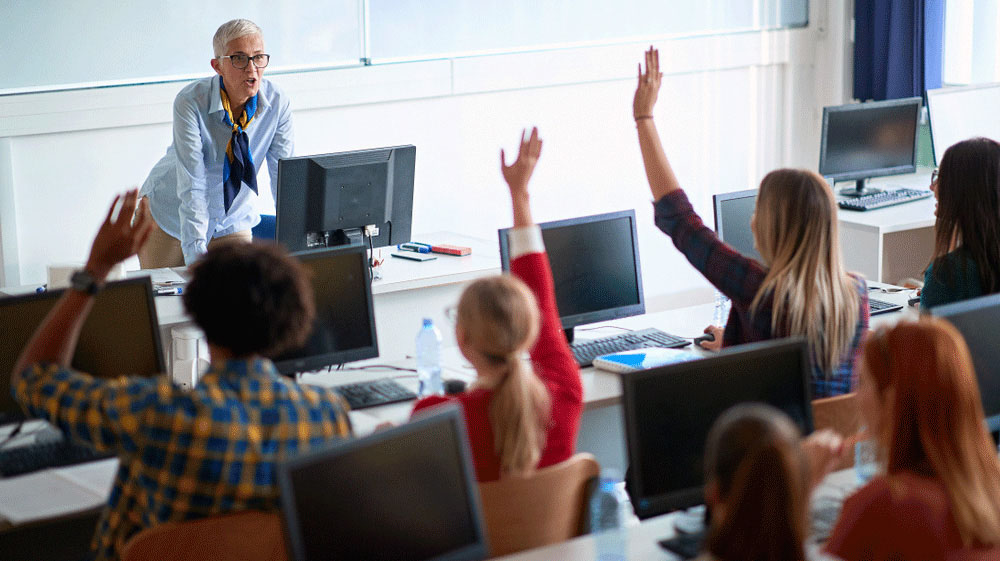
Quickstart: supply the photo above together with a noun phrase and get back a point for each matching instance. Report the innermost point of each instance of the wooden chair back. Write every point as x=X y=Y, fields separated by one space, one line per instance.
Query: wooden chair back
x=546 y=507
x=840 y=414
x=230 y=537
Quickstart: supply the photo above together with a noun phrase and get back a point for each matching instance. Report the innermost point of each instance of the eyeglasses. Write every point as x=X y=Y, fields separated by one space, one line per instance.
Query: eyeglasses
x=241 y=61
x=934 y=176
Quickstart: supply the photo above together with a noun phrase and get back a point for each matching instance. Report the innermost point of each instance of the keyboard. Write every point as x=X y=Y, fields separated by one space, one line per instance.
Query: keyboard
x=374 y=393
x=586 y=351
x=16 y=460
x=881 y=307
x=884 y=199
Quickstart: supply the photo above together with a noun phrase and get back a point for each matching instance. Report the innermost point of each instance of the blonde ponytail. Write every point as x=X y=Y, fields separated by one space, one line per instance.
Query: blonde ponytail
x=498 y=317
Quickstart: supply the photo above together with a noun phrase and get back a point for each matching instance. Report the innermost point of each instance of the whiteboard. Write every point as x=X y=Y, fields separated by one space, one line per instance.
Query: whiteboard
x=961 y=113
x=57 y=44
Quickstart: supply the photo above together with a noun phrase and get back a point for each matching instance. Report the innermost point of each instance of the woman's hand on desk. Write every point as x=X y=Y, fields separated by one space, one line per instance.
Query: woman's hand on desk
x=824 y=449
x=119 y=237
x=715 y=343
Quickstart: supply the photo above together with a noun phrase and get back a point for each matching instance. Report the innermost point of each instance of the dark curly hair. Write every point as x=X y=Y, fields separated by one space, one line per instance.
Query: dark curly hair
x=252 y=299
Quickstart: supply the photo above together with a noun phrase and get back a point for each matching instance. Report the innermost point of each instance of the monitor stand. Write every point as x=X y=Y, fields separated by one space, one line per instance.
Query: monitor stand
x=860 y=189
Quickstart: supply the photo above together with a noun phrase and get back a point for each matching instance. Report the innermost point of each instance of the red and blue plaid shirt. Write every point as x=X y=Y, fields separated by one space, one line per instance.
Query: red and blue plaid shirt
x=185 y=454
x=740 y=278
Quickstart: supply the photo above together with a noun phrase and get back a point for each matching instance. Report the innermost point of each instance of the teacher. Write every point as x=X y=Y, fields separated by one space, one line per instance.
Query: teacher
x=203 y=192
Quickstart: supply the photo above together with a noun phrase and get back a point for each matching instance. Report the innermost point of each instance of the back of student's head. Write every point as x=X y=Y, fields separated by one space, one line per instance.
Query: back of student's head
x=498 y=320
x=251 y=299
x=930 y=419
x=795 y=227
x=968 y=211
x=758 y=474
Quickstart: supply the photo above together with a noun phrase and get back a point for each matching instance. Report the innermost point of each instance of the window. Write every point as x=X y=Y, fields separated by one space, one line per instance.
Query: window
x=971 y=43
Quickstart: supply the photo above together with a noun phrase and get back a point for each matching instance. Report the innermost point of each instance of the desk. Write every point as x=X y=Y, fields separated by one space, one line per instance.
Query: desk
x=892 y=243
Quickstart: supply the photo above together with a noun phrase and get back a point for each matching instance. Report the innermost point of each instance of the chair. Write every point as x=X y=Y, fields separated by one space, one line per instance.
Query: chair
x=265 y=230
x=546 y=507
x=839 y=414
x=250 y=535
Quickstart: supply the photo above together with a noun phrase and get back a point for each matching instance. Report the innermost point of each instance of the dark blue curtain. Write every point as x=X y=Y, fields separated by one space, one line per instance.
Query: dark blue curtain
x=897 y=47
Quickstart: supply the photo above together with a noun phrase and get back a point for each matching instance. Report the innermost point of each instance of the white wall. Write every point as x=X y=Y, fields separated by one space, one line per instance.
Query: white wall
x=731 y=108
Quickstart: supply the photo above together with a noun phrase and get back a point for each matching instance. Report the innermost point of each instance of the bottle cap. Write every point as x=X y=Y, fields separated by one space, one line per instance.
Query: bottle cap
x=428 y=322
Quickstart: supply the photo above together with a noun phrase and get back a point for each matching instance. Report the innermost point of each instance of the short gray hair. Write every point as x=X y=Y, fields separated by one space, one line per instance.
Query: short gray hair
x=233 y=29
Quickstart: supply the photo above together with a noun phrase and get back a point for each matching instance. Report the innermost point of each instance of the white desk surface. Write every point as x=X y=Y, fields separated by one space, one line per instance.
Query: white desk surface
x=906 y=216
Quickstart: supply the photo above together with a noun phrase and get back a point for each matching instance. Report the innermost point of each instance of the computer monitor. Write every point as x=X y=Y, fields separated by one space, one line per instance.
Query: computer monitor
x=595 y=267
x=407 y=494
x=865 y=140
x=343 y=198
x=957 y=114
x=670 y=410
x=732 y=220
x=977 y=319
x=344 y=328
x=121 y=335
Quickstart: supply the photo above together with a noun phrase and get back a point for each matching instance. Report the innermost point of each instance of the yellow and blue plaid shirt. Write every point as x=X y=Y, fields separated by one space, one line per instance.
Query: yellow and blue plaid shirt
x=186 y=454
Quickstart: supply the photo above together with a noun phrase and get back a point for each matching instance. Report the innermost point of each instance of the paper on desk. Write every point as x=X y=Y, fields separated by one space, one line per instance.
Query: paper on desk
x=43 y=494
x=96 y=477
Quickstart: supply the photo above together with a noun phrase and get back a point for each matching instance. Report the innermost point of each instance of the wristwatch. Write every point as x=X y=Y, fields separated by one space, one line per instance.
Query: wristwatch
x=84 y=282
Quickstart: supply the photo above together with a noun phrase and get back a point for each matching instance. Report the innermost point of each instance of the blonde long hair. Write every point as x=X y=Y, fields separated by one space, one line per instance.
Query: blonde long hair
x=933 y=425
x=499 y=320
x=796 y=234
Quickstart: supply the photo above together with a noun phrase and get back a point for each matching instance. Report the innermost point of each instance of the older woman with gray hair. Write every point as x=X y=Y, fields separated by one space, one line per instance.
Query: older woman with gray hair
x=204 y=190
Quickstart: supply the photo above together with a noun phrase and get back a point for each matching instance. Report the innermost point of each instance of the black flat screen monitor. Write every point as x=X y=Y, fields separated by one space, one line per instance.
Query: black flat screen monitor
x=733 y=212
x=595 y=267
x=670 y=410
x=120 y=337
x=344 y=328
x=329 y=199
x=864 y=140
x=978 y=319
x=406 y=494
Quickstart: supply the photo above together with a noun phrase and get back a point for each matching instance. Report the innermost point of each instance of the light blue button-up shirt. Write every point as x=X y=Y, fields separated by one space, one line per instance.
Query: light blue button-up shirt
x=185 y=186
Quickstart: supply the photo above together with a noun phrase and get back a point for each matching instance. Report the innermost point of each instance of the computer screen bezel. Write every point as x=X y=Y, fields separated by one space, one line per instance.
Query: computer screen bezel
x=446 y=413
x=574 y=320
x=917 y=102
x=717 y=201
x=289 y=233
x=679 y=499
x=56 y=294
x=314 y=362
x=946 y=312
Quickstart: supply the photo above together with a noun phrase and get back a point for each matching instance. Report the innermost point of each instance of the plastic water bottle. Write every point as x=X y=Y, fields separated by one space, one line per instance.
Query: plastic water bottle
x=429 y=359
x=607 y=518
x=865 y=461
x=721 y=314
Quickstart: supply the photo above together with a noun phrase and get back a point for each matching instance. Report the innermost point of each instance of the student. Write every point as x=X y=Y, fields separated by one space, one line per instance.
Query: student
x=801 y=288
x=759 y=475
x=186 y=454
x=939 y=495
x=204 y=190
x=520 y=414
x=966 y=259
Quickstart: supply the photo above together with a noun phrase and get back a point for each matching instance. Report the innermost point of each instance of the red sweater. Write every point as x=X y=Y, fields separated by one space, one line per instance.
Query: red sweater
x=554 y=364
x=904 y=517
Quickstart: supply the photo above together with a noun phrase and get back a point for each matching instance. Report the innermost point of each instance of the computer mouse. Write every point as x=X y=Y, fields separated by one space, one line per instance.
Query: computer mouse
x=706 y=338
x=454 y=386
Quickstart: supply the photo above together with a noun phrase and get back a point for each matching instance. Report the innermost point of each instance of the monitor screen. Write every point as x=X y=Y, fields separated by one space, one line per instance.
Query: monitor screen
x=328 y=199
x=595 y=266
x=959 y=114
x=732 y=220
x=872 y=139
x=120 y=337
x=407 y=494
x=670 y=410
x=977 y=320
x=344 y=328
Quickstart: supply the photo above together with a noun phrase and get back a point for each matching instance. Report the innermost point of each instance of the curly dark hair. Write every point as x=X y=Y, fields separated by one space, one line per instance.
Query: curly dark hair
x=252 y=299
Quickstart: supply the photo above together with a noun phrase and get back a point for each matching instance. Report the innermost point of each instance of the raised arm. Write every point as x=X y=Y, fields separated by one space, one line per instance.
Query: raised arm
x=530 y=264
x=658 y=171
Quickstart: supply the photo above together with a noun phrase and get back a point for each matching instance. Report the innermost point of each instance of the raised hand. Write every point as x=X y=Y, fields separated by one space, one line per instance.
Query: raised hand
x=649 y=86
x=119 y=237
x=518 y=173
